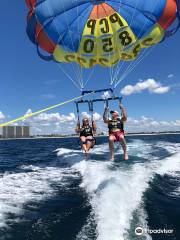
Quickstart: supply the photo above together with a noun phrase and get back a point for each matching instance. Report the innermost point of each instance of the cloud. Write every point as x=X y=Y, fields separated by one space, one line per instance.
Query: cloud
x=145 y=124
x=47 y=96
x=54 y=118
x=29 y=111
x=161 y=90
x=97 y=117
x=71 y=117
x=106 y=95
x=170 y=75
x=55 y=123
x=85 y=115
x=36 y=129
x=150 y=84
x=2 y=116
x=49 y=123
x=177 y=123
x=52 y=82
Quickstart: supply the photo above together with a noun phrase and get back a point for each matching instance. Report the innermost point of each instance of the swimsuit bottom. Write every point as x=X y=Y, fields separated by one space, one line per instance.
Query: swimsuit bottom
x=117 y=136
x=88 y=139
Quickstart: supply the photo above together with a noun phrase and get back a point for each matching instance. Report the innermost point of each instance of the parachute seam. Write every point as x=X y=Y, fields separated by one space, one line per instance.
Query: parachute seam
x=77 y=74
x=134 y=63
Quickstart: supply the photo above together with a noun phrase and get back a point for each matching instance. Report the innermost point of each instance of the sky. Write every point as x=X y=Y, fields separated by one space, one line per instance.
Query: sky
x=151 y=92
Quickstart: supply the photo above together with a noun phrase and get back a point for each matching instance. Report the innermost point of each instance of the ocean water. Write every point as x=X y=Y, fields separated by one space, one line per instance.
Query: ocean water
x=49 y=191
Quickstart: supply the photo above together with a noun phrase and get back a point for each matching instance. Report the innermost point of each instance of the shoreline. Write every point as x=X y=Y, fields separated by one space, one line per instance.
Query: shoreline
x=60 y=137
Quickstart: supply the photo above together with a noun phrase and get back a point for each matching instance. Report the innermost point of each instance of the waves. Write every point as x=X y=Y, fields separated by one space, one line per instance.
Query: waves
x=32 y=185
x=116 y=193
x=121 y=195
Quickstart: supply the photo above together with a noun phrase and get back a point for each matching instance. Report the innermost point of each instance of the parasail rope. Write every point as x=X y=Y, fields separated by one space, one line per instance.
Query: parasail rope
x=131 y=68
x=77 y=75
x=78 y=65
x=75 y=84
x=120 y=66
x=43 y=110
x=78 y=71
x=68 y=76
x=133 y=64
x=89 y=77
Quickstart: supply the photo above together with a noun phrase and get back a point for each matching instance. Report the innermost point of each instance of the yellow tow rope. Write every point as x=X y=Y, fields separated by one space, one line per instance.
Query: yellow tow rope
x=43 y=110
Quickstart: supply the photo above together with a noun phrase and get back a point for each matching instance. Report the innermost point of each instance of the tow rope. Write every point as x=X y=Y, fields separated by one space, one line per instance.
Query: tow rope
x=42 y=111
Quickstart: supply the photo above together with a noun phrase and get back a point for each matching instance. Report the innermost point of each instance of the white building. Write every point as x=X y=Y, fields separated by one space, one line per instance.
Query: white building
x=16 y=132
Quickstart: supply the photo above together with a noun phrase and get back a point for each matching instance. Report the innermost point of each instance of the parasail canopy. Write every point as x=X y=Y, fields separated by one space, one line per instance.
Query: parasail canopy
x=104 y=32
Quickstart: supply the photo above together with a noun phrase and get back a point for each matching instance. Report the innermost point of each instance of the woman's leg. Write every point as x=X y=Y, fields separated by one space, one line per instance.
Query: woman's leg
x=90 y=143
x=124 y=147
x=111 y=146
x=83 y=141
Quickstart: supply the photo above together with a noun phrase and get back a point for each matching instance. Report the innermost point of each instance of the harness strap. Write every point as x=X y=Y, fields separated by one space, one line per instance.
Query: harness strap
x=77 y=109
x=91 y=110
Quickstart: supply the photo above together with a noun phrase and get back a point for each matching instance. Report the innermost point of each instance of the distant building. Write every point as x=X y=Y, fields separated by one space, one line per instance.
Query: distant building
x=8 y=132
x=16 y=132
x=26 y=131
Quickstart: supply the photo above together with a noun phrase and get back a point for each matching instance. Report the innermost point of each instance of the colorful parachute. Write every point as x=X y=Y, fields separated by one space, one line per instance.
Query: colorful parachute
x=103 y=32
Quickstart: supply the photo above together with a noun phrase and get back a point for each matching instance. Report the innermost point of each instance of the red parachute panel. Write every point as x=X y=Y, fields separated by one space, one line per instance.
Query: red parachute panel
x=31 y=3
x=169 y=14
x=43 y=40
x=101 y=11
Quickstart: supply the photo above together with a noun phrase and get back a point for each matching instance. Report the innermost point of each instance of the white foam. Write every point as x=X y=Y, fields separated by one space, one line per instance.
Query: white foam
x=18 y=189
x=116 y=194
x=140 y=149
x=66 y=151
x=102 y=148
x=170 y=165
x=170 y=147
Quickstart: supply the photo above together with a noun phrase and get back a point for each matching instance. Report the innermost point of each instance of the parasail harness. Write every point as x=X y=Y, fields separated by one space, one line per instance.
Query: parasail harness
x=90 y=103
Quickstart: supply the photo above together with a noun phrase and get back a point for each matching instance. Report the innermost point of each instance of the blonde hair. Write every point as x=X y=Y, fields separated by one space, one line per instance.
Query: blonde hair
x=85 y=118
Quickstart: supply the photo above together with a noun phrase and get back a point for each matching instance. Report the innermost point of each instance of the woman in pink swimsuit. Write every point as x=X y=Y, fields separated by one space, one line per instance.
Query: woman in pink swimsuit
x=116 y=130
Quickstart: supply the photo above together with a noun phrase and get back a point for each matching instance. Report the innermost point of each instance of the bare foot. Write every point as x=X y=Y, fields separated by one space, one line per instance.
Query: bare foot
x=126 y=157
x=112 y=159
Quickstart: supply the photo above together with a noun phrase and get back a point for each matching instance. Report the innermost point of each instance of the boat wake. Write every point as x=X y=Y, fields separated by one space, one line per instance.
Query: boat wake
x=115 y=190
